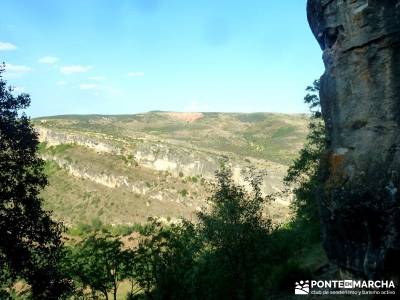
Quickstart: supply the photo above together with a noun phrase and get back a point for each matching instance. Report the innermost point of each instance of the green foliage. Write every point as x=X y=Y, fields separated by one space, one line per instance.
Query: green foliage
x=300 y=238
x=237 y=234
x=42 y=147
x=97 y=262
x=30 y=242
x=60 y=148
x=290 y=244
x=226 y=255
x=312 y=99
x=303 y=175
x=166 y=261
x=84 y=229
x=183 y=192
x=97 y=225
x=233 y=252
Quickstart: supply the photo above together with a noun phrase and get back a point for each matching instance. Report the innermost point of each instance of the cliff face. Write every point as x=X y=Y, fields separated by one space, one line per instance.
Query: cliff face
x=360 y=100
x=124 y=169
x=158 y=156
x=151 y=154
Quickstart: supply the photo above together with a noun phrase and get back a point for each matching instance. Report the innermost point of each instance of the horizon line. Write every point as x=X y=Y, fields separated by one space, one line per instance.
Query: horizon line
x=170 y=111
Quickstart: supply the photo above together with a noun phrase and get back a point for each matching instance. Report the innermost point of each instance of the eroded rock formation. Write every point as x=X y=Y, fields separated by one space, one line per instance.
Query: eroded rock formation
x=360 y=99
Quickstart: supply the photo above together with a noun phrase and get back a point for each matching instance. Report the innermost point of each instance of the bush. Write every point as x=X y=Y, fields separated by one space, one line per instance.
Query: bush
x=183 y=192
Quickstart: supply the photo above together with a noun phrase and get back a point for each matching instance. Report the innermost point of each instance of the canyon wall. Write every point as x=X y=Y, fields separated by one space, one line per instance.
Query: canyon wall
x=360 y=101
x=157 y=156
x=151 y=154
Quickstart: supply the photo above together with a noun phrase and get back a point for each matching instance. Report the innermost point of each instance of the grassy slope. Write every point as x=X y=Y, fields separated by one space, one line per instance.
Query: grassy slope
x=75 y=200
x=275 y=137
x=267 y=137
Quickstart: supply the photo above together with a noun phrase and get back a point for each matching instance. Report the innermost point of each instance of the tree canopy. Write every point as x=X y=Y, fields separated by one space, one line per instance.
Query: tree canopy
x=30 y=241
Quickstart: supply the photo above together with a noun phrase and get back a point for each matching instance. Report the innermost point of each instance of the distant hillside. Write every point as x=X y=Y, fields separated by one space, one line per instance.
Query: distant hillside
x=125 y=168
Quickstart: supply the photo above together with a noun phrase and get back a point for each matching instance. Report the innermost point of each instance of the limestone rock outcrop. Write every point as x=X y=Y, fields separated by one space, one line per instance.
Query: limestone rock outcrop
x=360 y=100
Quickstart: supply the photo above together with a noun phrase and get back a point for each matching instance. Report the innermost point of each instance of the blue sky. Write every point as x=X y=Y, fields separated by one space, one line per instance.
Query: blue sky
x=129 y=56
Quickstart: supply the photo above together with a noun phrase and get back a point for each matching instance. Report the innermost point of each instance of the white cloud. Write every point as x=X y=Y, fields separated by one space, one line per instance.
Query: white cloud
x=136 y=74
x=48 y=60
x=89 y=86
x=97 y=78
x=74 y=69
x=62 y=82
x=4 y=46
x=17 y=69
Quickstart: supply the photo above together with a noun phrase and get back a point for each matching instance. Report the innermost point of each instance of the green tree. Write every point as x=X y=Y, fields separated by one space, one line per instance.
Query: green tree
x=30 y=242
x=165 y=261
x=228 y=254
x=130 y=272
x=237 y=235
x=97 y=262
x=303 y=174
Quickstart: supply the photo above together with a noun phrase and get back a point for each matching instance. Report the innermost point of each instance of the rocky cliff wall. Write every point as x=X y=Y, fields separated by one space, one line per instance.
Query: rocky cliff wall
x=55 y=138
x=159 y=156
x=360 y=100
x=150 y=154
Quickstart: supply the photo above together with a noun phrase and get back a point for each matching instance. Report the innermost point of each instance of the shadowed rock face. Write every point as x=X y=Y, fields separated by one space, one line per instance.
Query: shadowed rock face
x=360 y=99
